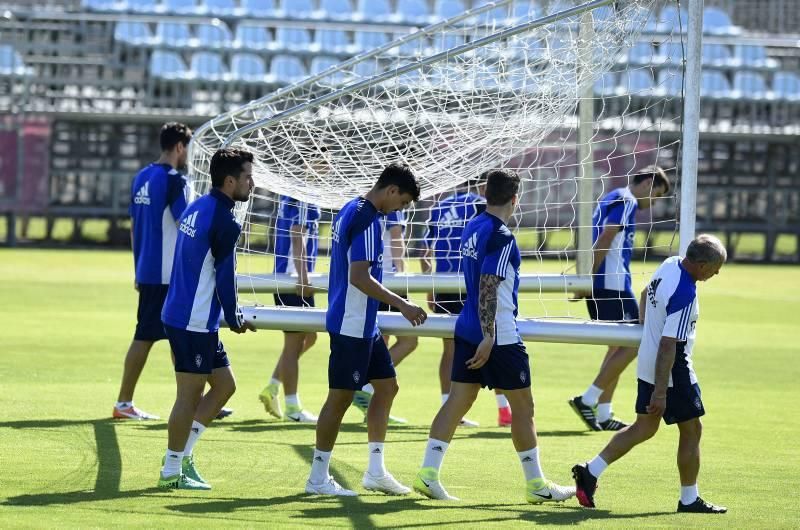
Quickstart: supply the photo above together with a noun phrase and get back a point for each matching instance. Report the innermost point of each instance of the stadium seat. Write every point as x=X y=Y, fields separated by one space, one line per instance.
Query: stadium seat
x=208 y=66
x=136 y=33
x=167 y=65
x=786 y=85
x=525 y=9
x=374 y=10
x=147 y=7
x=336 y=9
x=671 y=20
x=413 y=11
x=261 y=8
x=252 y=37
x=448 y=8
x=636 y=82
x=716 y=54
x=714 y=85
x=750 y=85
x=184 y=7
x=287 y=69
x=300 y=9
x=606 y=85
x=222 y=8
x=320 y=63
x=173 y=34
x=366 y=68
x=670 y=83
x=213 y=35
x=367 y=40
x=332 y=41
x=669 y=52
x=11 y=62
x=752 y=55
x=248 y=67
x=296 y=39
x=717 y=22
x=108 y=6
x=641 y=53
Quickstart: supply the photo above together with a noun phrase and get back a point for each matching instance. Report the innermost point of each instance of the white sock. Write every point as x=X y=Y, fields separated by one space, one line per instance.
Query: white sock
x=530 y=463
x=320 y=467
x=434 y=453
x=194 y=435
x=376 y=467
x=502 y=401
x=689 y=494
x=368 y=389
x=293 y=400
x=276 y=382
x=172 y=463
x=591 y=396
x=603 y=412
x=444 y=398
x=123 y=404
x=597 y=466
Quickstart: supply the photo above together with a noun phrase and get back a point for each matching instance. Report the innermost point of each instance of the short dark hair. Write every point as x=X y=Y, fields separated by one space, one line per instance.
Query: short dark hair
x=480 y=179
x=501 y=186
x=173 y=133
x=658 y=175
x=228 y=162
x=399 y=175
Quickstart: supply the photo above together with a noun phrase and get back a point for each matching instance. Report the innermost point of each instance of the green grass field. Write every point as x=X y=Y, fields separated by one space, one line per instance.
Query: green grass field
x=67 y=318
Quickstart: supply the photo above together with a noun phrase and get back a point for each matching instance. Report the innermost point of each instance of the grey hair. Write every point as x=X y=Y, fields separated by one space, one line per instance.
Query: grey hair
x=706 y=248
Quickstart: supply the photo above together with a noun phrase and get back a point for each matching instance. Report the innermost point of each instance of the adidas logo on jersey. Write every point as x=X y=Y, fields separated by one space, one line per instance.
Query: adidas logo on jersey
x=143 y=195
x=187 y=225
x=335 y=232
x=468 y=250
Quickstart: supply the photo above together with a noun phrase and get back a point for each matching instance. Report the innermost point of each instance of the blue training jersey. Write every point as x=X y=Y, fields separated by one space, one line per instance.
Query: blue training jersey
x=618 y=207
x=356 y=236
x=292 y=212
x=489 y=247
x=204 y=273
x=158 y=198
x=446 y=225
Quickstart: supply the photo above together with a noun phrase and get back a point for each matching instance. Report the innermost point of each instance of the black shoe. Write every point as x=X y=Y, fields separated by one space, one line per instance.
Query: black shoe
x=585 y=412
x=700 y=506
x=612 y=424
x=585 y=485
x=224 y=413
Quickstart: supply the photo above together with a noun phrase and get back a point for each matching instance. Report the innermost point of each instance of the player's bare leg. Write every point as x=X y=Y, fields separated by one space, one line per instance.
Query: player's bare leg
x=135 y=359
x=445 y=369
x=594 y=406
x=377 y=478
x=320 y=481
x=402 y=348
x=287 y=371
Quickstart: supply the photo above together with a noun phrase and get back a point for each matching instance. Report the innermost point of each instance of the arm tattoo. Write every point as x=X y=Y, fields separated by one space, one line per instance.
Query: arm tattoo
x=487 y=302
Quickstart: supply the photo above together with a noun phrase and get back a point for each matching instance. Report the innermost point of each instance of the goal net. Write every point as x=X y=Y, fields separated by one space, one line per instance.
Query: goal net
x=576 y=96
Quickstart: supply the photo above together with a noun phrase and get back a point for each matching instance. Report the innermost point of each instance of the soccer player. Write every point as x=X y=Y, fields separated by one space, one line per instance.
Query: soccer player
x=667 y=382
x=394 y=248
x=296 y=247
x=203 y=284
x=358 y=352
x=614 y=228
x=158 y=198
x=488 y=349
x=442 y=240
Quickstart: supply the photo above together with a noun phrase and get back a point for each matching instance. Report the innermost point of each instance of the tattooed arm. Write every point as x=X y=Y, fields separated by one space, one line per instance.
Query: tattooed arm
x=487 y=310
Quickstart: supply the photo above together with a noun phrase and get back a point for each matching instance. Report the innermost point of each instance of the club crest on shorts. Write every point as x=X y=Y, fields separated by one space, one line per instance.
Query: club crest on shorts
x=523 y=376
x=198 y=360
x=356 y=376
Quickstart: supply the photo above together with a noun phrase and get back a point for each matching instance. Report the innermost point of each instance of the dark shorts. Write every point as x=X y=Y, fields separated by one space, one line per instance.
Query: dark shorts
x=292 y=300
x=683 y=402
x=448 y=304
x=354 y=361
x=196 y=353
x=506 y=369
x=148 y=316
x=617 y=306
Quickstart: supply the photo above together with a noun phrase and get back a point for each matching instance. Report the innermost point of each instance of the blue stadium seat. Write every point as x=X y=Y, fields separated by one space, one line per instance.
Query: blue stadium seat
x=208 y=66
x=669 y=52
x=252 y=37
x=222 y=8
x=108 y=6
x=374 y=10
x=184 y=7
x=213 y=35
x=366 y=68
x=717 y=22
x=752 y=55
x=287 y=69
x=526 y=9
x=750 y=85
x=292 y=39
x=606 y=85
x=636 y=82
x=714 y=85
x=301 y=9
x=167 y=65
x=321 y=63
x=332 y=41
x=786 y=85
x=367 y=40
x=641 y=53
x=448 y=8
x=137 y=33
x=261 y=8
x=669 y=19
x=11 y=62
x=413 y=11
x=173 y=34
x=716 y=54
x=248 y=67
x=670 y=82
x=147 y=6
x=336 y=9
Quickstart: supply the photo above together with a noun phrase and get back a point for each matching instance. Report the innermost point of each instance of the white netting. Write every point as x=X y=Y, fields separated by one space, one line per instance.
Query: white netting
x=509 y=102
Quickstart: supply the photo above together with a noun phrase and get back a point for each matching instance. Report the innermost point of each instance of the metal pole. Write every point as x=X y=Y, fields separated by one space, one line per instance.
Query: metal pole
x=584 y=257
x=442 y=326
x=691 y=126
